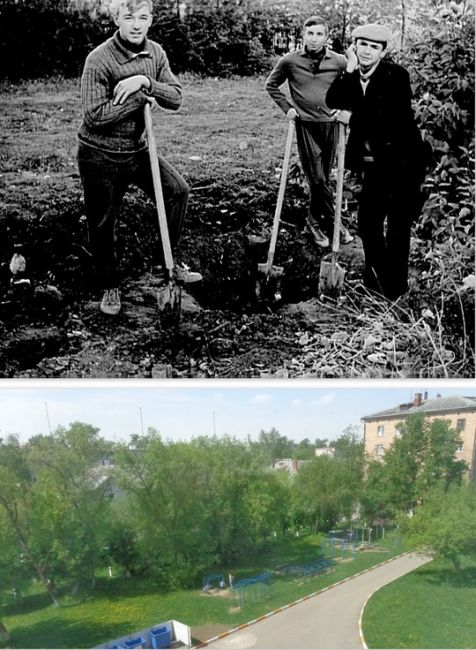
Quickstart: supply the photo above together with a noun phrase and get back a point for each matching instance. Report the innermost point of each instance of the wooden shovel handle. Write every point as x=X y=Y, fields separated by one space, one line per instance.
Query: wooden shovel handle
x=339 y=185
x=282 y=188
x=159 y=197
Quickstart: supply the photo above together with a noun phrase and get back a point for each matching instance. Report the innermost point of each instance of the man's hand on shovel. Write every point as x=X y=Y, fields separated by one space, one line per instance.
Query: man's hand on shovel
x=341 y=116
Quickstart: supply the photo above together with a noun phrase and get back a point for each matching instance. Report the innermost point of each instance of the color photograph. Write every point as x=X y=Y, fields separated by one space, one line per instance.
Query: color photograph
x=237 y=517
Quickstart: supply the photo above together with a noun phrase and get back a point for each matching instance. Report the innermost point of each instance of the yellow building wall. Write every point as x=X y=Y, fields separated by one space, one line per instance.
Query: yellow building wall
x=373 y=440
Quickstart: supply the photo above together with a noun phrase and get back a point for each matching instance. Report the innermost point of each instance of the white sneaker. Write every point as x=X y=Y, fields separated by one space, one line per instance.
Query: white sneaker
x=111 y=302
x=318 y=237
x=183 y=274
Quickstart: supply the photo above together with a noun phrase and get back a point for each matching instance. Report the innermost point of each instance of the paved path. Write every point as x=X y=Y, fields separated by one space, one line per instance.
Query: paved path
x=328 y=620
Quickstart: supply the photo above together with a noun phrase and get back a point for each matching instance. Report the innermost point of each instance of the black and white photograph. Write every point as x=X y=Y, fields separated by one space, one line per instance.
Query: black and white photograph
x=237 y=189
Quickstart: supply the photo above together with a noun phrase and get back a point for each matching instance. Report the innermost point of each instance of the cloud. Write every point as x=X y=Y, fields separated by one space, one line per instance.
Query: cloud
x=261 y=398
x=297 y=402
x=326 y=399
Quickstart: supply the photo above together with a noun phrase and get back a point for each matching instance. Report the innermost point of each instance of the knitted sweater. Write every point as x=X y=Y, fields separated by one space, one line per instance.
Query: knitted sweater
x=308 y=83
x=120 y=128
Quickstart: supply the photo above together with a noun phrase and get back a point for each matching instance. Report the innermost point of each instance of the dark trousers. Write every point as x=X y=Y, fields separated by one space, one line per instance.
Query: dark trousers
x=387 y=208
x=317 y=142
x=105 y=178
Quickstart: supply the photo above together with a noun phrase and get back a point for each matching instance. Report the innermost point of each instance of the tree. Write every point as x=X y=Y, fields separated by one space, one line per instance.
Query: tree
x=54 y=505
x=375 y=498
x=17 y=485
x=320 y=443
x=445 y=524
x=275 y=445
x=421 y=456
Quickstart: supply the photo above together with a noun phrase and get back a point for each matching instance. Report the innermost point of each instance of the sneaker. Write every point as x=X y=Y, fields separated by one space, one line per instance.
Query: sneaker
x=183 y=274
x=111 y=302
x=317 y=235
x=345 y=236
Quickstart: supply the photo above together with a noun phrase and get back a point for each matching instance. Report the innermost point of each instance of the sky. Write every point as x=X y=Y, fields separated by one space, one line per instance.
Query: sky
x=180 y=410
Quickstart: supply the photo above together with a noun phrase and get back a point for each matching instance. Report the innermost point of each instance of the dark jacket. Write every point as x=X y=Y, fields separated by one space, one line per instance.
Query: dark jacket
x=383 y=117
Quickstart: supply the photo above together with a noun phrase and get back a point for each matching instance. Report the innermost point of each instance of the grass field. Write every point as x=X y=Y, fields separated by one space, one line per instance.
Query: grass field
x=432 y=607
x=120 y=605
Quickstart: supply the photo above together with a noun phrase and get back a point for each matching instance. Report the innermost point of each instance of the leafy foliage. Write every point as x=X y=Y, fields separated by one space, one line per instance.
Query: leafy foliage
x=422 y=456
x=445 y=524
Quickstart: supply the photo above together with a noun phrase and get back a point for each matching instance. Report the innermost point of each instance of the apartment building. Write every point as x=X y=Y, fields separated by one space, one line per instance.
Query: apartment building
x=380 y=429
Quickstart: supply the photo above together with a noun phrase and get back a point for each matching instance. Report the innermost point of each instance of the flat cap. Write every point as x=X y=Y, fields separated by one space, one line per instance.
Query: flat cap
x=372 y=32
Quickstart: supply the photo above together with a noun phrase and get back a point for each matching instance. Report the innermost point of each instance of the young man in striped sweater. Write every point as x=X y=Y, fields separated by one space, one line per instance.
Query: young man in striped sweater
x=119 y=78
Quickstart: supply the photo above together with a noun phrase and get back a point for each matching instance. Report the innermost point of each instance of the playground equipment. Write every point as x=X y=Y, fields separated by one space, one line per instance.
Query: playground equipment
x=213 y=581
x=163 y=635
x=247 y=590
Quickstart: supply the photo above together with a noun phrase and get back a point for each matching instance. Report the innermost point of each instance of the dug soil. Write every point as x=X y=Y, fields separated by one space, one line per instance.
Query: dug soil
x=229 y=325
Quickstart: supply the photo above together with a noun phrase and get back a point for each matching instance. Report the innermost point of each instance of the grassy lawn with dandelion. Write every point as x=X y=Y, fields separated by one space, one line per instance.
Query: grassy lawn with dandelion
x=121 y=605
x=432 y=607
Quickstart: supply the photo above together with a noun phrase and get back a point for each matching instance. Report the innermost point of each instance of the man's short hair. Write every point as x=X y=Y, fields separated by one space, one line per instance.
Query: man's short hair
x=316 y=20
x=132 y=5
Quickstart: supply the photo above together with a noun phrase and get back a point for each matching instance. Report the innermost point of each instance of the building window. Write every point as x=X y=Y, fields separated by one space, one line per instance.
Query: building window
x=379 y=451
x=380 y=430
x=460 y=424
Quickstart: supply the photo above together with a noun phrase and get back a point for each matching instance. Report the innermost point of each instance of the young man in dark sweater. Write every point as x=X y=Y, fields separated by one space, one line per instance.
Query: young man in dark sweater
x=309 y=74
x=385 y=147
x=119 y=78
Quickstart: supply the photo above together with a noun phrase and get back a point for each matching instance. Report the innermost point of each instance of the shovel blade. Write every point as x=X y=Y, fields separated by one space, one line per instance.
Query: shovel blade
x=331 y=278
x=167 y=298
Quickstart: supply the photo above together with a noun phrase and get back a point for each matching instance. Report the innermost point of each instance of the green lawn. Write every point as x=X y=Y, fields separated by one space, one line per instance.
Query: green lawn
x=432 y=607
x=120 y=606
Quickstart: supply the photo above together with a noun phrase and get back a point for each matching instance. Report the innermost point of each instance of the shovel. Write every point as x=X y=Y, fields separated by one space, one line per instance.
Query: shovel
x=267 y=270
x=331 y=275
x=167 y=296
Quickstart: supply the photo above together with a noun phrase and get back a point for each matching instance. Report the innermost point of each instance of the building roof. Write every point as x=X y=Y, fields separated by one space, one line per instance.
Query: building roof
x=439 y=405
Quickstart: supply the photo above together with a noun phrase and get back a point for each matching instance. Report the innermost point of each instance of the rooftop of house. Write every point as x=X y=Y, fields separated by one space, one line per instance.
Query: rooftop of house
x=442 y=405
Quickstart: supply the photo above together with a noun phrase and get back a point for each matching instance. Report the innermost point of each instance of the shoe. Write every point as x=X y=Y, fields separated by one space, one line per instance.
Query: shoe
x=183 y=274
x=111 y=302
x=317 y=235
x=345 y=236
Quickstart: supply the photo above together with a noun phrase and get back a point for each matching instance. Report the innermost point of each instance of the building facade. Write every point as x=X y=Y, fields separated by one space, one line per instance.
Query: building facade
x=380 y=429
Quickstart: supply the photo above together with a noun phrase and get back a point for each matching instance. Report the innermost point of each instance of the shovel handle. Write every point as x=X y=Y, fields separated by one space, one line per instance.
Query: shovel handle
x=282 y=188
x=339 y=185
x=159 y=197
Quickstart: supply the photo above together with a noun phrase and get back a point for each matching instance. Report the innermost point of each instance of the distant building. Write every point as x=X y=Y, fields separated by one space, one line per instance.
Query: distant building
x=380 y=429
x=325 y=451
x=289 y=464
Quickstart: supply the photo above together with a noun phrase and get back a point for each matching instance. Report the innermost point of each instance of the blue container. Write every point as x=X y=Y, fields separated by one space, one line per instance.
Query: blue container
x=138 y=642
x=160 y=637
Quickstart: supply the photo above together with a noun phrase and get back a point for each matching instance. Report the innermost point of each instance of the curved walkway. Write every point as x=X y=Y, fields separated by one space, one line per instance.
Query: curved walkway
x=329 y=619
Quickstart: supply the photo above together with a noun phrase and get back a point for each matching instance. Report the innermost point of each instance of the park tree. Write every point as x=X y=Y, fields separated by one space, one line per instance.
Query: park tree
x=444 y=525
x=53 y=505
x=422 y=455
x=71 y=486
x=375 y=500
x=274 y=445
x=323 y=493
x=196 y=504
x=19 y=508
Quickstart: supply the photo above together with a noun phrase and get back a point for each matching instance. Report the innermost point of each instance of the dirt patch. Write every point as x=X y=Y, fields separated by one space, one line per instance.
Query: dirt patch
x=223 y=593
x=202 y=633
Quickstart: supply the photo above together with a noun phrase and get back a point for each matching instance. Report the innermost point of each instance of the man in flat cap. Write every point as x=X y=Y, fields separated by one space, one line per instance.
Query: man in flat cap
x=386 y=148
x=309 y=73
